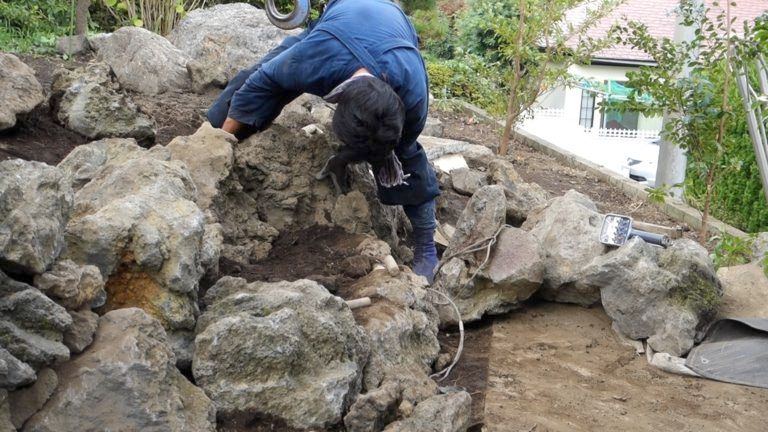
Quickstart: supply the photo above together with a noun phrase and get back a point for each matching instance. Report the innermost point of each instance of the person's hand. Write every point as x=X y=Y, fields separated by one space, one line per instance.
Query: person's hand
x=232 y=126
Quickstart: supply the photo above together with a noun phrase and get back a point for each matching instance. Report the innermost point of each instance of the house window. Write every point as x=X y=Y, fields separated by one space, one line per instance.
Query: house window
x=587 y=112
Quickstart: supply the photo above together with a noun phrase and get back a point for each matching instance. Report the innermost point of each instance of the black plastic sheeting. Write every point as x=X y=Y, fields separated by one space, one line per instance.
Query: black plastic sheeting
x=735 y=350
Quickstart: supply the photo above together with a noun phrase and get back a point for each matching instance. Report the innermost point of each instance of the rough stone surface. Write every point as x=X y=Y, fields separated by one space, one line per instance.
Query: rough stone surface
x=760 y=247
x=5 y=412
x=352 y=213
x=127 y=380
x=467 y=181
x=80 y=334
x=86 y=161
x=441 y=413
x=233 y=35
x=19 y=90
x=434 y=127
x=32 y=327
x=73 y=286
x=374 y=410
x=27 y=401
x=402 y=326
x=13 y=372
x=36 y=202
x=513 y=273
x=88 y=102
x=476 y=155
x=209 y=156
x=482 y=217
x=568 y=228
x=206 y=76
x=745 y=291
x=136 y=220
x=71 y=45
x=143 y=61
x=663 y=295
x=522 y=197
x=288 y=350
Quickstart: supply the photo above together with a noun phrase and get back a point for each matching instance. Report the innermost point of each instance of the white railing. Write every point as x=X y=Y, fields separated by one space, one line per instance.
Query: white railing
x=623 y=133
x=546 y=113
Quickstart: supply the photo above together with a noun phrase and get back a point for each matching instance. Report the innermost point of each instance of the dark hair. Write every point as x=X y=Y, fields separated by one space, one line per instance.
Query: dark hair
x=369 y=118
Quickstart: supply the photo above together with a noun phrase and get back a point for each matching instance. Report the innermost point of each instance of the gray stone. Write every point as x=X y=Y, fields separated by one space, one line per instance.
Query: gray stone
x=513 y=273
x=760 y=248
x=80 y=334
x=209 y=156
x=36 y=202
x=143 y=61
x=206 y=76
x=522 y=197
x=73 y=286
x=136 y=220
x=235 y=36
x=13 y=372
x=88 y=102
x=27 y=401
x=71 y=45
x=32 y=327
x=467 y=181
x=441 y=413
x=84 y=162
x=402 y=326
x=19 y=90
x=288 y=350
x=9 y=285
x=434 y=127
x=663 y=295
x=352 y=213
x=476 y=155
x=483 y=216
x=374 y=410
x=5 y=412
x=568 y=229
x=183 y=346
x=126 y=380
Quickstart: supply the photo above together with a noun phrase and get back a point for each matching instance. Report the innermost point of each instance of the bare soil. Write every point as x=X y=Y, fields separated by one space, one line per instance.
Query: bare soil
x=547 y=367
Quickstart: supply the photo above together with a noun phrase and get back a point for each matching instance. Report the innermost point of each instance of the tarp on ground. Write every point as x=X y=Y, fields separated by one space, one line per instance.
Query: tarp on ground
x=735 y=350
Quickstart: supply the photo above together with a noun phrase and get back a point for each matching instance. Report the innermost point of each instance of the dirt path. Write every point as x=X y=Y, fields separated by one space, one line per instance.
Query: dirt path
x=557 y=367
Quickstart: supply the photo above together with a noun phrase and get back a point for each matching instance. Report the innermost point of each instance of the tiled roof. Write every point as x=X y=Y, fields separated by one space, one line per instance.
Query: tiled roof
x=659 y=17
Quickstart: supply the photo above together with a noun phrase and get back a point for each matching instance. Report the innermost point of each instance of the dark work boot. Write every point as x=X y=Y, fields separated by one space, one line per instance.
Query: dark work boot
x=422 y=219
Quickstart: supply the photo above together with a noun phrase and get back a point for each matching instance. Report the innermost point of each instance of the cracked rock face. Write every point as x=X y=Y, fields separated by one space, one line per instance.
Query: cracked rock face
x=127 y=380
x=285 y=350
x=36 y=201
x=19 y=90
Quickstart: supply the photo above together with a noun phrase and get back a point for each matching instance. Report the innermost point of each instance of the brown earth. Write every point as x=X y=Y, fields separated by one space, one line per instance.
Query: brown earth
x=547 y=367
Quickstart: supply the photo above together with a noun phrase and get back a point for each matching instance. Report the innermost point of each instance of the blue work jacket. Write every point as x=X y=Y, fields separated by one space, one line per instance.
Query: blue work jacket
x=350 y=34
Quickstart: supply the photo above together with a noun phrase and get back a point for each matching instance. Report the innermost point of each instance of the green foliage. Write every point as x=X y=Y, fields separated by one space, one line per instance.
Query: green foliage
x=477 y=28
x=411 y=6
x=32 y=25
x=159 y=16
x=435 y=34
x=731 y=250
x=657 y=195
x=468 y=77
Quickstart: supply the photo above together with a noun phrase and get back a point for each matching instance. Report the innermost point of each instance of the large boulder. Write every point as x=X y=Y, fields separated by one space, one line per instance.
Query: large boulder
x=32 y=328
x=73 y=286
x=228 y=36
x=87 y=101
x=137 y=221
x=19 y=90
x=36 y=202
x=126 y=380
x=514 y=270
x=522 y=197
x=440 y=413
x=476 y=155
x=80 y=334
x=568 y=228
x=745 y=291
x=665 y=295
x=142 y=61
x=209 y=156
x=27 y=401
x=286 y=350
x=13 y=372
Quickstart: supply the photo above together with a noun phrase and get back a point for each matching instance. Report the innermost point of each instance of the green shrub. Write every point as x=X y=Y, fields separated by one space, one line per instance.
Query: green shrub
x=434 y=30
x=470 y=78
x=476 y=27
x=411 y=6
x=32 y=25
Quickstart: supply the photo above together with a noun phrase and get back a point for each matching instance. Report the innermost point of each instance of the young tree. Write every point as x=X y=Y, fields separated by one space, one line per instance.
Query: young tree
x=697 y=106
x=534 y=43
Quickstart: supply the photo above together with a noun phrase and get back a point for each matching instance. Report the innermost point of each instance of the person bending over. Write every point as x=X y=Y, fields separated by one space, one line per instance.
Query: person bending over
x=363 y=56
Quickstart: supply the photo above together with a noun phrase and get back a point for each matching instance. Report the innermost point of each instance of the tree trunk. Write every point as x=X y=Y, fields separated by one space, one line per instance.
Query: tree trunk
x=81 y=17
